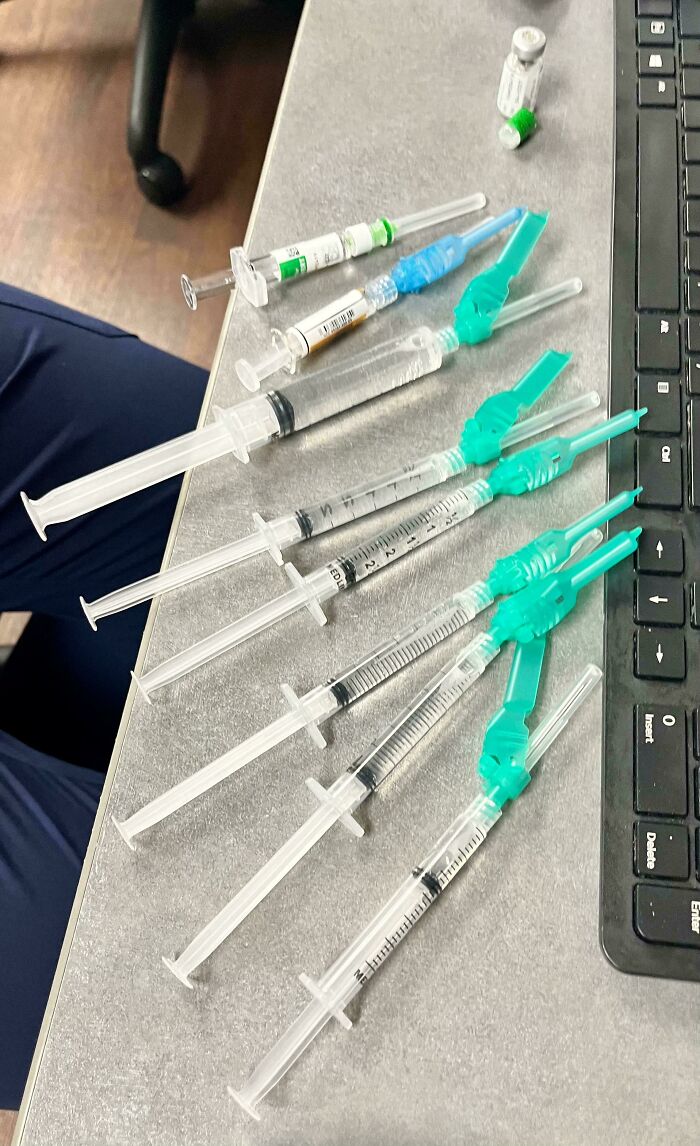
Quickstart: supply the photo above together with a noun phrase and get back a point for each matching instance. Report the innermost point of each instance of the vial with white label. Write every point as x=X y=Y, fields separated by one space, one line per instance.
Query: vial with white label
x=522 y=71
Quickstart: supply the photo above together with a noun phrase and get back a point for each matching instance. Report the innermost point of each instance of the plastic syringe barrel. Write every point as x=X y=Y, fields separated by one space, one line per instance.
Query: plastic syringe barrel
x=350 y=684
x=523 y=472
x=337 y=575
x=392 y=364
x=346 y=976
x=344 y=796
x=278 y=534
x=425 y=473
x=347 y=686
x=251 y=424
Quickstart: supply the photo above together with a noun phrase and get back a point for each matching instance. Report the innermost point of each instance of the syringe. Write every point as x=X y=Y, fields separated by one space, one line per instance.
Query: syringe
x=485 y=435
x=411 y=274
x=526 y=616
x=349 y=973
x=516 y=474
x=302 y=258
x=509 y=574
x=278 y=413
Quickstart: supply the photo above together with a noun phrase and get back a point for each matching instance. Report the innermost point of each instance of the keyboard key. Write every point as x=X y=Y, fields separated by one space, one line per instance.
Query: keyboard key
x=659 y=601
x=659 y=471
x=660 y=760
x=659 y=62
x=691 y=146
x=661 y=850
x=692 y=246
x=691 y=215
x=691 y=113
x=689 y=17
x=692 y=334
x=656 y=93
x=691 y=177
x=660 y=551
x=662 y=398
x=693 y=375
x=654 y=8
x=697 y=853
x=692 y=291
x=653 y=32
x=657 y=222
x=659 y=654
x=658 y=213
x=695 y=622
x=691 y=84
x=658 y=336
x=694 y=453
x=667 y=915
x=690 y=53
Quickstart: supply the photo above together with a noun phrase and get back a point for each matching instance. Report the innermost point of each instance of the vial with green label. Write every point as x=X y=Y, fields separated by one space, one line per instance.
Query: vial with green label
x=522 y=71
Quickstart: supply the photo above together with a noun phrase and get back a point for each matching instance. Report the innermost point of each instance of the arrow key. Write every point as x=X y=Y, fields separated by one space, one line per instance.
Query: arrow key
x=659 y=654
x=659 y=601
x=660 y=551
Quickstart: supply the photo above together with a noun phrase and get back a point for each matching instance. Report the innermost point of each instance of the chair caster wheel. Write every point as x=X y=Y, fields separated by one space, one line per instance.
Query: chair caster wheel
x=161 y=180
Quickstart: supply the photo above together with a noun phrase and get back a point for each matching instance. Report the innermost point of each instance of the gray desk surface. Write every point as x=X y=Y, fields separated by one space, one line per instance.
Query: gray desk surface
x=499 y=1021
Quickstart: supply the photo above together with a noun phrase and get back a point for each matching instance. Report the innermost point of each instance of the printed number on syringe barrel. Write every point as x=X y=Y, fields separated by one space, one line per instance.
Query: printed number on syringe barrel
x=359 y=563
x=371 y=496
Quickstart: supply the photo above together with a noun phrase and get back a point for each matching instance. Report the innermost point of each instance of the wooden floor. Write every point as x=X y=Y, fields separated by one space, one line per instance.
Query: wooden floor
x=73 y=225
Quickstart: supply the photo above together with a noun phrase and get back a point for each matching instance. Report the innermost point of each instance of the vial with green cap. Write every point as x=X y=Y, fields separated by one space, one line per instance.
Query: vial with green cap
x=517 y=129
x=522 y=71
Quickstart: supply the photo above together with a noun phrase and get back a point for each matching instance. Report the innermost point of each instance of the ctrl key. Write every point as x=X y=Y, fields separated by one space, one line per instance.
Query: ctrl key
x=667 y=915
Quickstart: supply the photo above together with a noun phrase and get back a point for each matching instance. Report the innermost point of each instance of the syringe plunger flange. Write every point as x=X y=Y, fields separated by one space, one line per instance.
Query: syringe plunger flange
x=297 y=704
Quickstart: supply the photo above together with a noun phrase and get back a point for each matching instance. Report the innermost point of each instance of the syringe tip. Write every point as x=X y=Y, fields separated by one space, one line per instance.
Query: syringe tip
x=171 y=964
x=86 y=609
x=244 y=1103
x=31 y=508
x=188 y=291
x=140 y=687
x=128 y=840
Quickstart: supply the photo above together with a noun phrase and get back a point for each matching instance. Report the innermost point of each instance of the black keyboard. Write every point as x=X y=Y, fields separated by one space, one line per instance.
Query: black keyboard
x=650 y=870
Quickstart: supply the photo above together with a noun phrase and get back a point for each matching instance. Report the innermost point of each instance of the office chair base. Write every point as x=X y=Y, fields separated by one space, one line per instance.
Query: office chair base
x=161 y=180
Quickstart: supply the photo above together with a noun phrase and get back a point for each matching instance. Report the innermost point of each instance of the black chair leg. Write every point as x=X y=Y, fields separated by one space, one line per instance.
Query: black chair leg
x=159 y=176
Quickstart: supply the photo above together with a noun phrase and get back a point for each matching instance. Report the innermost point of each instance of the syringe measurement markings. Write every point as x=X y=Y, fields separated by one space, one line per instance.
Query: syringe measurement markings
x=457 y=619
x=350 y=505
x=362 y=679
x=381 y=760
x=375 y=962
x=437 y=517
x=446 y=875
x=410 y=918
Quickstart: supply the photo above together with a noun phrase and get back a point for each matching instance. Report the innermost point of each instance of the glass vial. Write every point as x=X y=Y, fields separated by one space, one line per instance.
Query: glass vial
x=522 y=71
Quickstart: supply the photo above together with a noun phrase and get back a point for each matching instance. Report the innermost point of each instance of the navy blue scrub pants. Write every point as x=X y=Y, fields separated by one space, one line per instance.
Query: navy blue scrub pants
x=75 y=395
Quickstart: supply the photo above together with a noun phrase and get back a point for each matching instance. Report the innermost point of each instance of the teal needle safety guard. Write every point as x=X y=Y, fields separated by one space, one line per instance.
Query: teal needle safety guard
x=483 y=433
x=487 y=293
x=539 y=607
x=502 y=768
